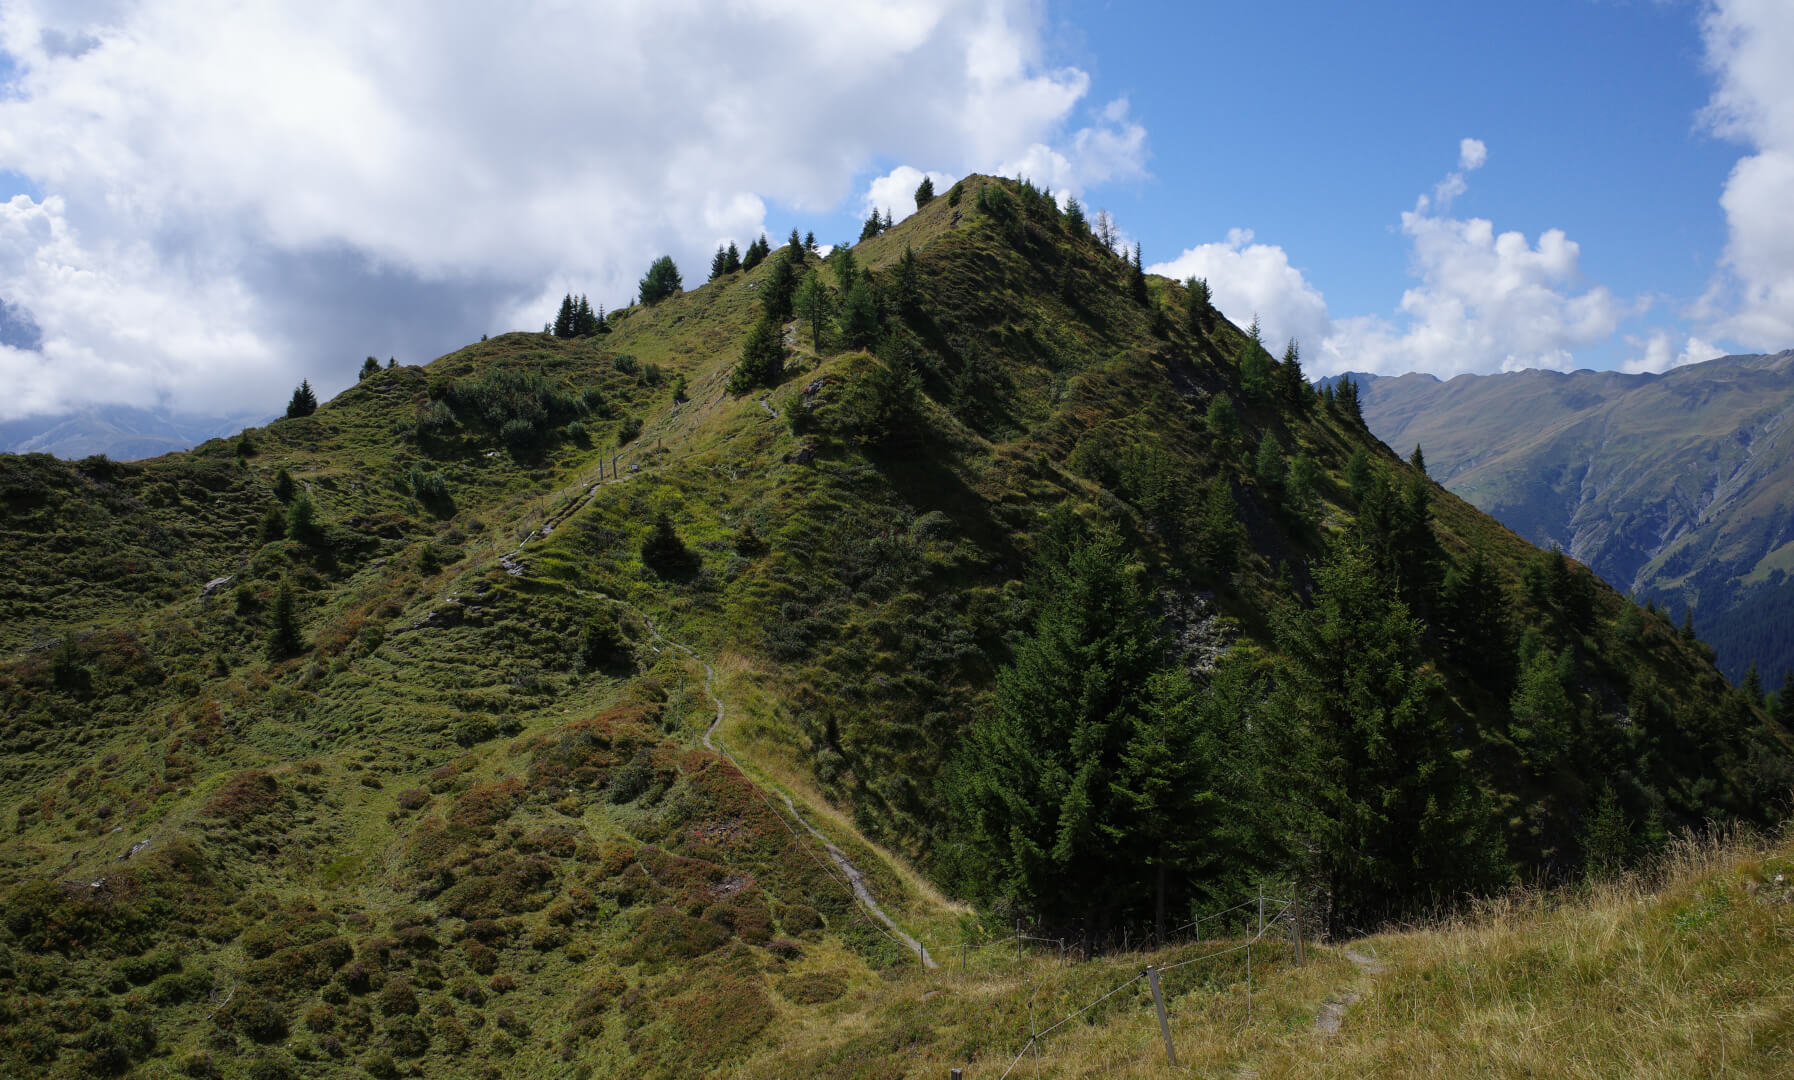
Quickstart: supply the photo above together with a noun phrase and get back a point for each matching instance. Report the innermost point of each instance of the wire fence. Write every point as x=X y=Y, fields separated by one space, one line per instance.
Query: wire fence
x=1287 y=912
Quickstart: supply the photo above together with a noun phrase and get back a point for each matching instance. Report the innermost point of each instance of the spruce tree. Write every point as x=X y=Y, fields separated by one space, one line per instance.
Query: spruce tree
x=1074 y=218
x=1033 y=783
x=1292 y=387
x=907 y=282
x=762 y=360
x=924 y=192
x=887 y=222
x=1199 y=305
x=284 y=638
x=734 y=259
x=719 y=263
x=814 y=305
x=794 y=248
x=1137 y=278
x=370 y=366
x=1269 y=465
x=304 y=402
x=810 y=243
x=1219 y=535
x=585 y=321
x=781 y=285
x=1417 y=460
x=859 y=317
x=563 y=319
x=1255 y=366
x=756 y=253
x=870 y=228
x=660 y=282
x=1357 y=735
x=846 y=271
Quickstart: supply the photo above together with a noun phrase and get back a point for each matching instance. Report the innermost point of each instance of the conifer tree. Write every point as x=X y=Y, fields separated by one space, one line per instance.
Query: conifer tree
x=1219 y=534
x=810 y=243
x=762 y=360
x=924 y=192
x=795 y=248
x=370 y=366
x=734 y=259
x=1223 y=426
x=1417 y=460
x=1753 y=686
x=284 y=638
x=660 y=282
x=1137 y=278
x=756 y=253
x=1292 y=386
x=781 y=285
x=887 y=222
x=1033 y=780
x=870 y=228
x=1255 y=365
x=719 y=263
x=585 y=321
x=1357 y=736
x=846 y=270
x=907 y=282
x=814 y=305
x=304 y=402
x=563 y=319
x=1346 y=399
x=1198 y=305
x=603 y=323
x=1475 y=623
x=859 y=317
x=1607 y=843
x=1269 y=464
x=1074 y=218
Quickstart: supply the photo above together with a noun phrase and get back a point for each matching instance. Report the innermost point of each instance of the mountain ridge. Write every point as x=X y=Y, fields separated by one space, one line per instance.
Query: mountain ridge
x=425 y=789
x=1675 y=486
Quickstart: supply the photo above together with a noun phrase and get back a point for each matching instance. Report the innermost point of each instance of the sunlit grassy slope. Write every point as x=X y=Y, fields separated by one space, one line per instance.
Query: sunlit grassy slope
x=470 y=828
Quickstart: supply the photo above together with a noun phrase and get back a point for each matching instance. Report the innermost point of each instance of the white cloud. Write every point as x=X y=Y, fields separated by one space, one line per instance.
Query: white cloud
x=1658 y=353
x=896 y=190
x=1485 y=302
x=1248 y=279
x=1748 y=44
x=1472 y=154
x=236 y=195
x=1112 y=149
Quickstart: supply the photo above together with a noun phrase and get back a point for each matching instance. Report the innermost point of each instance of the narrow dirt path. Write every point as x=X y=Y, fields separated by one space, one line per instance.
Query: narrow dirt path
x=512 y=561
x=856 y=880
x=1332 y=1014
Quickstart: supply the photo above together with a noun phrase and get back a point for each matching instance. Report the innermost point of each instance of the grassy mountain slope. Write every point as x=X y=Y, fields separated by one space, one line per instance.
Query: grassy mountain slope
x=1676 y=487
x=470 y=827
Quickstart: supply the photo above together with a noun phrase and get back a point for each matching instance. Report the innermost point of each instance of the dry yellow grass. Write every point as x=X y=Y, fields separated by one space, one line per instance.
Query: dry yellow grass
x=1688 y=971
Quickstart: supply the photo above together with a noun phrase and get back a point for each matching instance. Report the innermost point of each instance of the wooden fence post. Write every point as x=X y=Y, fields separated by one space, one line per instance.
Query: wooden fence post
x=1295 y=922
x=1158 y=1003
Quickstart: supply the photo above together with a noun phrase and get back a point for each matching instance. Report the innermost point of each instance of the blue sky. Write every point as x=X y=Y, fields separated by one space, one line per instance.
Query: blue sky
x=208 y=204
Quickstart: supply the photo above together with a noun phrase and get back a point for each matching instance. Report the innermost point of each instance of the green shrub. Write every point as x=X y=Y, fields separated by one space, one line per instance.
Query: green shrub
x=628 y=430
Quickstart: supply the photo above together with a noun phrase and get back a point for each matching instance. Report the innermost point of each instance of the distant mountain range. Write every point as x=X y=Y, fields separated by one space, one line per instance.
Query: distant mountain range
x=120 y=432
x=1677 y=487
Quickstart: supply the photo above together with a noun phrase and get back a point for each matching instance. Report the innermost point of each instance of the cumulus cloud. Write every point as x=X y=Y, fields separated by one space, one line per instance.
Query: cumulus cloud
x=1656 y=353
x=896 y=190
x=1247 y=280
x=1748 y=43
x=1486 y=301
x=237 y=195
